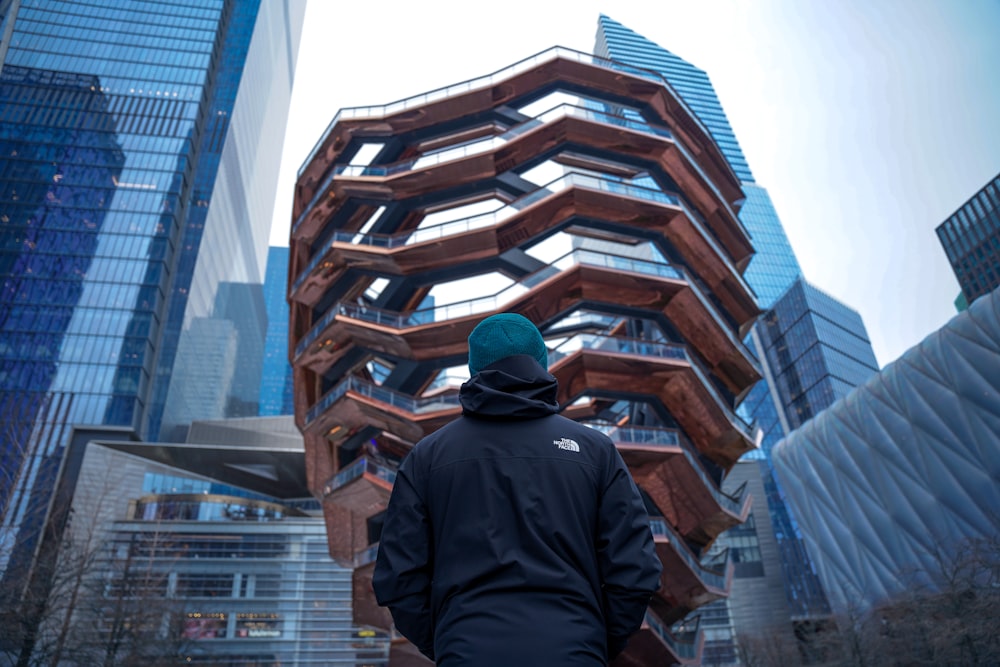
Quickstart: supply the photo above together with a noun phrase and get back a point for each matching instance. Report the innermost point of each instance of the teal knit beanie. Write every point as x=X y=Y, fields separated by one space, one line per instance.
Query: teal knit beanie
x=505 y=335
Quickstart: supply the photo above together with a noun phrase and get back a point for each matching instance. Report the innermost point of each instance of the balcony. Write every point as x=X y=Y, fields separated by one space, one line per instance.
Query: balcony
x=618 y=204
x=581 y=71
x=600 y=281
x=665 y=372
x=665 y=464
x=584 y=363
x=658 y=644
x=355 y=403
x=687 y=583
x=363 y=486
x=544 y=136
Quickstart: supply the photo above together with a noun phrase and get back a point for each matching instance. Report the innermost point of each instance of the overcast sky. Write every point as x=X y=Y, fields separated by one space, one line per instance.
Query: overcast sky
x=868 y=121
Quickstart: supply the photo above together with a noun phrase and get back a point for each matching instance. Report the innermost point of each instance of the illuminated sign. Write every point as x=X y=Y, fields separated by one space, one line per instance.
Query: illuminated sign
x=258 y=625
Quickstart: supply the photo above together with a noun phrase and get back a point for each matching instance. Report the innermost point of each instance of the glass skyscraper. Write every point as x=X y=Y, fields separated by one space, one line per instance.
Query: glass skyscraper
x=796 y=381
x=816 y=351
x=971 y=239
x=276 y=380
x=136 y=193
x=774 y=266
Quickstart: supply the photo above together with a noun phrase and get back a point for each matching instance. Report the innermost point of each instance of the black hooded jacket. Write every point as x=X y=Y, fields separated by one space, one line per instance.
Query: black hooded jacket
x=515 y=536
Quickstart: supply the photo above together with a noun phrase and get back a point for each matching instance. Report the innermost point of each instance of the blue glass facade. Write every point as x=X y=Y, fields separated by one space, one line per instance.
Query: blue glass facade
x=774 y=265
x=61 y=161
x=817 y=350
x=276 y=380
x=617 y=42
x=971 y=239
x=120 y=182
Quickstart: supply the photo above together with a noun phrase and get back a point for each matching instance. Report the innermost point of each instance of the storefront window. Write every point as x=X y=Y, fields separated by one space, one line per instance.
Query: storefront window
x=258 y=625
x=198 y=625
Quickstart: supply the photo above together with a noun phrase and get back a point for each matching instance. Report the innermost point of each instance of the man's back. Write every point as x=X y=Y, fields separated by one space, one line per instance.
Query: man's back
x=515 y=535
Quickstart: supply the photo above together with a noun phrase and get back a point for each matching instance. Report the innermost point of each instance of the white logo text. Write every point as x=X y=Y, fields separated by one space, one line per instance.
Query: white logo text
x=567 y=444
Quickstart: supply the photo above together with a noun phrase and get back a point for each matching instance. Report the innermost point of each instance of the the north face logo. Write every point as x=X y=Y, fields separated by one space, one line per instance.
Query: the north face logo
x=567 y=444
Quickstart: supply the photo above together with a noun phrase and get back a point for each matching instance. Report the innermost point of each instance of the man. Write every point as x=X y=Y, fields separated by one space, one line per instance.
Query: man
x=514 y=536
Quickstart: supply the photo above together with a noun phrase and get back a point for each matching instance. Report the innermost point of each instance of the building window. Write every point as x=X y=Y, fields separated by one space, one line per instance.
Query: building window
x=194 y=585
x=199 y=625
x=258 y=625
x=744 y=549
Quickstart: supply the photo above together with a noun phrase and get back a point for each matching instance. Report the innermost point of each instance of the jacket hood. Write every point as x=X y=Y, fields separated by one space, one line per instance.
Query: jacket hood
x=515 y=387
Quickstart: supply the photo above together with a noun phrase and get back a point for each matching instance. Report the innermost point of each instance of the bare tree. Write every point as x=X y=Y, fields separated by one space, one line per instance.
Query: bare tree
x=771 y=649
x=949 y=614
x=23 y=606
x=130 y=616
x=106 y=603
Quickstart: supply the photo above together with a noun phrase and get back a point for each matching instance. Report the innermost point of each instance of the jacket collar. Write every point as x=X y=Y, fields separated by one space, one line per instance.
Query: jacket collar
x=515 y=387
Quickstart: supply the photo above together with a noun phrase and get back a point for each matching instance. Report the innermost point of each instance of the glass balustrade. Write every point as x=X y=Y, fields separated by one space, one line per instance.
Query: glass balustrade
x=366 y=555
x=484 y=145
x=651 y=349
x=712 y=575
x=527 y=64
x=486 y=304
x=666 y=437
x=615 y=344
x=451 y=378
x=478 y=147
x=387 y=396
x=696 y=288
x=709 y=237
x=355 y=470
x=423 y=405
x=683 y=644
x=585 y=319
x=207 y=507
x=607 y=183
x=689 y=637
x=715 y=190
x=570 y=346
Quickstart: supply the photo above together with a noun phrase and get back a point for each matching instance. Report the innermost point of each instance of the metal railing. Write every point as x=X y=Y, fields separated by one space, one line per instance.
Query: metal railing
x=710 y=575
x=357 y=469
x=668 y=437
x=490 y=303
x=651 y=349
x=606 y=183
x=527 y=64
x=683 y=644
x=478 y=147
x=382 y=395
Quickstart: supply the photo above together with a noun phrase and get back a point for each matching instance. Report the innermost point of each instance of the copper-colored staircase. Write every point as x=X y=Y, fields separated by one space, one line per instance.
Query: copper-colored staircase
x=644 y=314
